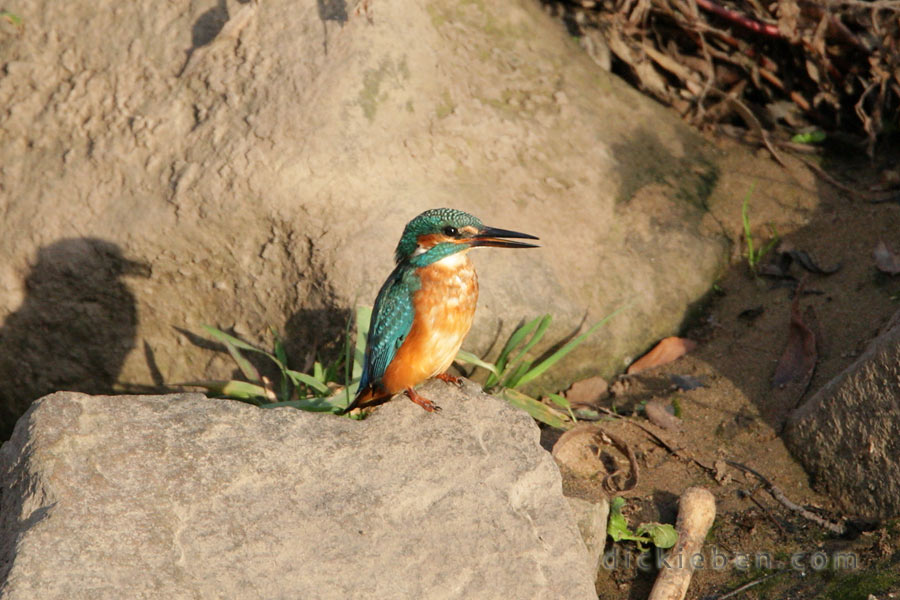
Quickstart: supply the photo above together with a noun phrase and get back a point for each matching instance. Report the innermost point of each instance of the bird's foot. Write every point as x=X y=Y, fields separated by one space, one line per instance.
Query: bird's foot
x=425 y=403
x=457 y=381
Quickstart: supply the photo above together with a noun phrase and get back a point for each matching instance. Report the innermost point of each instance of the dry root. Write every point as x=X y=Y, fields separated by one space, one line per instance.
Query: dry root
x=696 y=513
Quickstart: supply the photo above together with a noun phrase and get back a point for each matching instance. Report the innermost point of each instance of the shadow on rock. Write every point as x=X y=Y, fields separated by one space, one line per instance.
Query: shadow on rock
x=74 y=329
x=317 y=334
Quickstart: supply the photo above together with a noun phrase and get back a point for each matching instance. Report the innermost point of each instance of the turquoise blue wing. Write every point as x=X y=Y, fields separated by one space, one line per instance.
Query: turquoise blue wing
x=392 y=319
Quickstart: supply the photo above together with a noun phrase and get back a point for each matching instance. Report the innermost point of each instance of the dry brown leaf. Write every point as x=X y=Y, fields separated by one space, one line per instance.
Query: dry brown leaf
x=798 y=361
x=886 y=260
x=659 y=416
x=587 y=391
x=664 y=352
x=788 y=17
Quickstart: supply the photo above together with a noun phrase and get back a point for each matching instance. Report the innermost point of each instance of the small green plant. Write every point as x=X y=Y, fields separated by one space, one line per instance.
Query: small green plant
x=676 y=407
x=810 y=137
x=12 y=18
x=513 y=369
x=658 y=534
x=754 y=254
x=329 y=388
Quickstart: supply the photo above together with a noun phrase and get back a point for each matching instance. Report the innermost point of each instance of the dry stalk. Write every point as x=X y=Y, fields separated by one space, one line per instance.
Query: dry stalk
x=696 y=513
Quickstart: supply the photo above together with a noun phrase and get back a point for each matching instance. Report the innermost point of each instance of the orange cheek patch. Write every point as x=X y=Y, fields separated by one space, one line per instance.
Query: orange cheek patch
x=432 y=239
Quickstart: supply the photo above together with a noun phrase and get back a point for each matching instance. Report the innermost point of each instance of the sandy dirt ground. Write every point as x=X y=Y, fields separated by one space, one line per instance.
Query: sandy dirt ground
x=736 y=416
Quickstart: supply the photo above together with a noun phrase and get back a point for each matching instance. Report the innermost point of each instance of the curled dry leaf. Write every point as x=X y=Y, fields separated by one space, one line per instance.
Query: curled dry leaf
x=664 y=352
x=580 y=448
x=780 y=266
x=885 y=260
x=577 y=449
x=806 y=261
x=659 y=416
x=587 y=392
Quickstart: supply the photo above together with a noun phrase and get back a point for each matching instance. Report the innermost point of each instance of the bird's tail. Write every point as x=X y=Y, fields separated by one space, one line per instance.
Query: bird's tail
x=366 y=397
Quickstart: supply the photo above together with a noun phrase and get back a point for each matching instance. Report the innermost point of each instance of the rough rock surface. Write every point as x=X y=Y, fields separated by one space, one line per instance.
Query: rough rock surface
x=847 y=435
x=592 y=518
x=246 y=164
x=180 y=496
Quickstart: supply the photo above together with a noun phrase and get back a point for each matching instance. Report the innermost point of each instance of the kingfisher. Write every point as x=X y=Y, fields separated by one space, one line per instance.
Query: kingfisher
x=425 y=308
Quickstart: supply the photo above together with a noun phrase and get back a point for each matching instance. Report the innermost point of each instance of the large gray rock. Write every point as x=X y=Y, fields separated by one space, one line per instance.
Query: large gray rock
x=848 y=434
x=183 y=497
x=257 y=161
x=592 y=518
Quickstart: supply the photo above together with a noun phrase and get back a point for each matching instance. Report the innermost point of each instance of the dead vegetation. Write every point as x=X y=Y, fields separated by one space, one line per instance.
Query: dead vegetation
x=793 y=71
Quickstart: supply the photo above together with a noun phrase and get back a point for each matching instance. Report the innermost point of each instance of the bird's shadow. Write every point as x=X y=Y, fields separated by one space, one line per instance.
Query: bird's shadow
x=74 y=328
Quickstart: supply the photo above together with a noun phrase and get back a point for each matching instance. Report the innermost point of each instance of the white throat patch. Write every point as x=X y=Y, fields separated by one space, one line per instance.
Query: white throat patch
x=455 y=260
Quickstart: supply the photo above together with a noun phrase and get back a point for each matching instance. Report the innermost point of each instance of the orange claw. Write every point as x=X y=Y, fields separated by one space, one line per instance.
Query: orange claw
x=457 y=381
x=425 y=403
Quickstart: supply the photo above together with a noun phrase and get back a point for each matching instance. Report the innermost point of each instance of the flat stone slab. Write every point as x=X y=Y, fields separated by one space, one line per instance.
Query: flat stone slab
x=180 y=496
x=848 y=434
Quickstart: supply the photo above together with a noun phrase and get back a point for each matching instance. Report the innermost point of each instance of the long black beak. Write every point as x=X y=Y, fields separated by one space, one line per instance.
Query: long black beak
x=491 y=236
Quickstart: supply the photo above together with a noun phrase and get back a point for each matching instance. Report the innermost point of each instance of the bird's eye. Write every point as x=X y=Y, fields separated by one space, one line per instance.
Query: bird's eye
x=451 y=231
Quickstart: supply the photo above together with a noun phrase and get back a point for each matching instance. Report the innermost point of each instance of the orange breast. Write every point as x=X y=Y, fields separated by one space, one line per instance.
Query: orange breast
x=444 y=309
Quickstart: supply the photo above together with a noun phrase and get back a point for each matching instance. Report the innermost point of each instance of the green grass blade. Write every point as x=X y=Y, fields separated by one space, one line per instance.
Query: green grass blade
x=319 y=373
x=537 y=410
x=469 y=358
x=363 y=321
x=771 y=243
x=564 y=404
x=280 y=353
x=281 y=360
x=551 y=360
x=232 y=344
x=299 y=378
x=512 y=379
x=543 y=324
x=560 y=401
x=239 y=390
x=748 y=236
x=514 y=340
x=226 y=338
x=347 y=351
x=308 y=404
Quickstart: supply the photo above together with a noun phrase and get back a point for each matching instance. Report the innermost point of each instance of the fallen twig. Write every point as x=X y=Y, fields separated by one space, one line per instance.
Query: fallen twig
x=736 y=17
x=838 y=528
x=747 y=586
x=767 y=512
x=659 y=439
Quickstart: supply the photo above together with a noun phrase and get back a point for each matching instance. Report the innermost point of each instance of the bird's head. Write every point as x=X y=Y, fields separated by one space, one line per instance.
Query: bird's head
x=441 y=232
